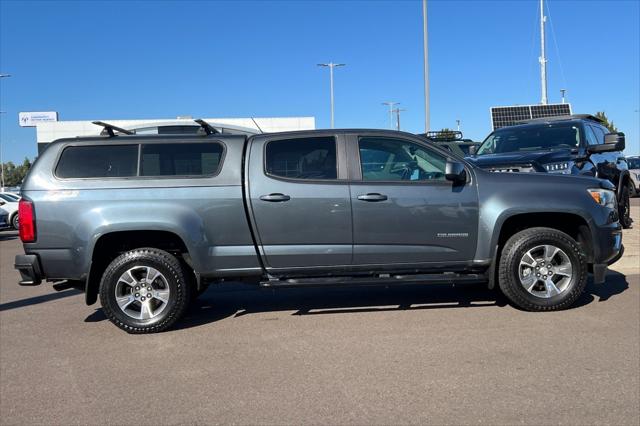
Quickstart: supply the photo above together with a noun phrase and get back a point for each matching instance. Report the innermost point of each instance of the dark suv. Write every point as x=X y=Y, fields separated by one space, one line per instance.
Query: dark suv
x=570 y=145
x=451 y=140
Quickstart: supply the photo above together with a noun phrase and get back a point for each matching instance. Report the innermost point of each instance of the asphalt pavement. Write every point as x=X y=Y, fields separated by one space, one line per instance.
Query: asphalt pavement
x=404 y=355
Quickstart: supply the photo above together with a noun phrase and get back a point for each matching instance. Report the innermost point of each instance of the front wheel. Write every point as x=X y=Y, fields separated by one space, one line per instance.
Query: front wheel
x=624 y=207
x=144 y=291
x=15 y=221
x=542 y=269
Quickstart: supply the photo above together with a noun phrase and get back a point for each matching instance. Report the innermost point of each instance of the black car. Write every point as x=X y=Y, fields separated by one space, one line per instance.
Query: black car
x=571 y=145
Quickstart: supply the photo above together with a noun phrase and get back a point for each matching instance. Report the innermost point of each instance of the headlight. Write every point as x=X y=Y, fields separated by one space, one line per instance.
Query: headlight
x=604 y=197
x=561 y=167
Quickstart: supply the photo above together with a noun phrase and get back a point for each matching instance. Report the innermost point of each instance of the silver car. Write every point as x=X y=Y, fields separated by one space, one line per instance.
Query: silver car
x=634 y=171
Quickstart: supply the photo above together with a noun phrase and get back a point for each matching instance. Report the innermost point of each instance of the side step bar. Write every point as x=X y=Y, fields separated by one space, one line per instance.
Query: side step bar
x=380 y=279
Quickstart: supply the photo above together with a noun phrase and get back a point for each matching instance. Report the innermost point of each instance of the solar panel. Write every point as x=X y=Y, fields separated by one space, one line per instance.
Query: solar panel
x=510 y=115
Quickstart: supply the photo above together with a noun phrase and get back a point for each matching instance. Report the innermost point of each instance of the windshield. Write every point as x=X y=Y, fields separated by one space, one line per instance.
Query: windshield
x=532 y=138
x=634 y=163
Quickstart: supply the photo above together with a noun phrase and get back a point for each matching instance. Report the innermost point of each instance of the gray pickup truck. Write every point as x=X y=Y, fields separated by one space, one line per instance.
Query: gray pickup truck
x=147 y=222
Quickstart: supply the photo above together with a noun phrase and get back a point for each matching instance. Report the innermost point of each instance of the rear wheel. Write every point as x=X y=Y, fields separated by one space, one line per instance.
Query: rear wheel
x=144 y=291
x=15 y=221
x=542 y=269
x=624 y=207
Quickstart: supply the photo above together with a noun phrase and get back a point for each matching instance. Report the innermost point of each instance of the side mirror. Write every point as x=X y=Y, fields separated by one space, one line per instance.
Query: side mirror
x=455 y=172
x=2 y=203
x=612 y=142
x=615 y=139
x=473 y=149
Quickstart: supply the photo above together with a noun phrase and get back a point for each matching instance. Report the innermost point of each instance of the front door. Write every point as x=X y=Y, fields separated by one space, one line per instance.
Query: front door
x=404 y=210
x=299 y=201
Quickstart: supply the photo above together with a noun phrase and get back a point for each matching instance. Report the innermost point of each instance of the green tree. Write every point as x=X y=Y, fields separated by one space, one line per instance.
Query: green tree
x=608 y=124
x=13 y=175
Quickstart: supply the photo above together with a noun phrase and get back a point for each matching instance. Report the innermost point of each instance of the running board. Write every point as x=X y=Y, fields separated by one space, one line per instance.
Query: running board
x=380 y=279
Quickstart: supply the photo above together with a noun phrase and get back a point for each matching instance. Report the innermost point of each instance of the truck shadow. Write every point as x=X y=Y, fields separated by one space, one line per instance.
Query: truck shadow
x=237 y=300
x=220 y=303
x=8 y=235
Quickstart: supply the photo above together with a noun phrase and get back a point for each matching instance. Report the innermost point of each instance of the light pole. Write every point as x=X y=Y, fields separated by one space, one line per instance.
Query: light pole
x=543 y=56
x=390 y=104
x=562 y=92
x=398 y=111
x=458 y=124
x=426 y=66
x=331 y=66
x=1 y=159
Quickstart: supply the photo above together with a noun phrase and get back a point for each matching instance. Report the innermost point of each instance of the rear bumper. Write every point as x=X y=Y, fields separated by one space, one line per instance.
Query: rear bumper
x=29 y=267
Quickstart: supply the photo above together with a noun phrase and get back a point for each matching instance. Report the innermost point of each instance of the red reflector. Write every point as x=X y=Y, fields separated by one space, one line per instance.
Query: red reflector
x=26 y=221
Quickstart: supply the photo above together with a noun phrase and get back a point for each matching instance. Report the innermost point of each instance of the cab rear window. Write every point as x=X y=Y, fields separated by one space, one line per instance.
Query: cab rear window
x=98 y=161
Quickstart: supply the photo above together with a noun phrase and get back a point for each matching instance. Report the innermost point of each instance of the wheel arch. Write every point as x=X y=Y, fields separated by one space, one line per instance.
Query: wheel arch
x=625 y=178
x=108 y=246
x=572 y=224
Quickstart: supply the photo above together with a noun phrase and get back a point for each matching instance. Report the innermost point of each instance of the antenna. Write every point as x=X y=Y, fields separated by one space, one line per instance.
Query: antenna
x=256 y=123
x=543 y=58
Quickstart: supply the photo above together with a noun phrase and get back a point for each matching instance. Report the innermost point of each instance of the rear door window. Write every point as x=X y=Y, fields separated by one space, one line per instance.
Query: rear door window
x=302 y=158
x=98 y=161
x=181 y=159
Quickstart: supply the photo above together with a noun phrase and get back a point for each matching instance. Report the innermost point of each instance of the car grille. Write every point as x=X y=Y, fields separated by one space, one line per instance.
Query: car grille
x=526 y=168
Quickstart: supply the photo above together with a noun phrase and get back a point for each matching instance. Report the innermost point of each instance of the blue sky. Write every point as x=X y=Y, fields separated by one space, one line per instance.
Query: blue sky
x=119 y=60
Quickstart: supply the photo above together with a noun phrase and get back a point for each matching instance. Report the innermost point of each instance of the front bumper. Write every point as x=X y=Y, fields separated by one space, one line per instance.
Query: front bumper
x=608 y=249
x=29 y=267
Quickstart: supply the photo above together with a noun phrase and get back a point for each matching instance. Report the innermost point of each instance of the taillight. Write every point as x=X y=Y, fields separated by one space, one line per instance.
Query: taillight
x=26 y=221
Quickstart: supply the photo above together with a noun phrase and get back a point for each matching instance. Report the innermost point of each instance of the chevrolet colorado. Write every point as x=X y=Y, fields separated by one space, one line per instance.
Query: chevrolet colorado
x=146 y=222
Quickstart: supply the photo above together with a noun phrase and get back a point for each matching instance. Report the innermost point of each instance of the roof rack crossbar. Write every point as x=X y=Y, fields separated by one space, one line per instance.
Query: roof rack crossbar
x=208 y=128
x=111 y=129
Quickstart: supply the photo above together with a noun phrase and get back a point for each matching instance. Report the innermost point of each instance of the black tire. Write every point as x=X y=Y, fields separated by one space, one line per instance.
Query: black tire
x=14 y=221
x=169 y=266
x=624 y=207
x=513 y=252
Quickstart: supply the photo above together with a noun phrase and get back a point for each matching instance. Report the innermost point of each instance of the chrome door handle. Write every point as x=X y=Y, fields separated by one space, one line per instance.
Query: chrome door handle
x=372 y=197
x=275 y=197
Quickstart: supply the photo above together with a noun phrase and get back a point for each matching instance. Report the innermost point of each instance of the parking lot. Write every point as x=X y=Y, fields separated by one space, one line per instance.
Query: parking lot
x=410 y=354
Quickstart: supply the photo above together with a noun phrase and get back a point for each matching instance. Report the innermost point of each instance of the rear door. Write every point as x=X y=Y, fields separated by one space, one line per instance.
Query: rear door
x=404 y=210
x=299 y=201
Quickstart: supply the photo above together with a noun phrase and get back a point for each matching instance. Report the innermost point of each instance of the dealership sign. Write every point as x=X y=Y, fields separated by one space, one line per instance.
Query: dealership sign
x=31 y=119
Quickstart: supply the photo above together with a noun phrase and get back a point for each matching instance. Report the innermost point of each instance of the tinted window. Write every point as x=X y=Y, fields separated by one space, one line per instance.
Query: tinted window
x=531 y=138
x=98 y=161
x=303 y=158
x=591 y=137
x=8 y=199
x=599 y=132
x=180 y=159
x=385 y=159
